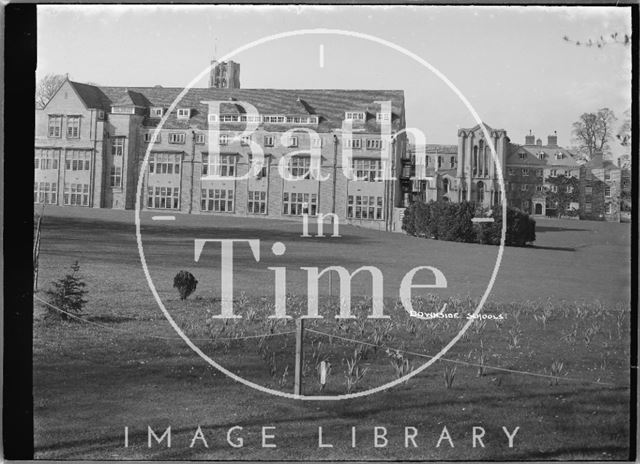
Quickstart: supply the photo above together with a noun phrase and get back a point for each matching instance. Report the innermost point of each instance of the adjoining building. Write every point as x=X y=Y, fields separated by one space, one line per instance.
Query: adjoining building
x=539 y=179
x=91 y=141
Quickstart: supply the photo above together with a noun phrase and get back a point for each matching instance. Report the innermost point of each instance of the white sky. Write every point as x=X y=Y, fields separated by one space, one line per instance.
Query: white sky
x=510 y=62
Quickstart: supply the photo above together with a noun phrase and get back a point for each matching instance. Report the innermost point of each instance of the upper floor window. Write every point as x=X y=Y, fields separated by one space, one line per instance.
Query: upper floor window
x=78 y=160
x=538 y=188
x=525 y=172
x=452 y=162
x=383 y=117
x=200 y=139
x=607 y=175
x=176 y=137
x=569 y=188
x=117 y=146
x=316 y=142
x=184 y=113
x=354 y=143
x=73 y=127
x=374 y=144
x=245 y=140
x=224 y=165
x=511 y=171
x=299 y=166
x=523 y=155
x=354 y=115
x=123 y=109
x=539 y=172
x=559 y=156
x=224 y=139
x=554 y=188
x=607 y=191
x=439 y=162
x=55 y=126
x=367 y=170
x=292 y=141
x=101 y=114
x=269 y=141
x=46 y=158
x=229 y=118
x=567 y=173
x=212 y=117
x=148 y=136
x=157 y=112
x=553 y=172
x=524 y=187
x=164 y=163
x=265 y=167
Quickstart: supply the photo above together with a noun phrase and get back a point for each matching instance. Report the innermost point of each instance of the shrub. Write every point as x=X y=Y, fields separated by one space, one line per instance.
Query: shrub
x=67 y=294
x=443 y=220
x=186 y=284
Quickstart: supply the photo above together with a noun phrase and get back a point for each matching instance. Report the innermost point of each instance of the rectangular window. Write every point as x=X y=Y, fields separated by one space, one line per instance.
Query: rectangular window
x=184 y=113
x=217 y=200
x=511 y=171
x=354 y=143
x=163 y=197
x=78 y=160
x=524 y=187
x=265 y=167
x=46 y=158
x=292 y=141
x=316 y=142
x=587 y=207
x=553 y=173
x=223 y=165
x=367 y=170
x=554 y=188
x=607 y=175
x=383 y=117
x=212 y=118
x=607 y=208
x=523 y=156
x=374 y=144
x=538 y=172
x=245 y=140
x=200 y=139
x=148 y=136
x=176 y=137
x=117 y=147
x=257 y=203
x=354 y=115
x=73 y=127
x=299 y=166
x=364 y=207
x=115 y=176
x=569 y=188
x=45 y=193
x=164 y=163
x=76 y=194
x=224 y=139
x=268 y=141
x=55 y=126
x=525 y=172
x=538 y=188
x=452 y=162
x=157 y=112
x=297 y=204
x=607 y=192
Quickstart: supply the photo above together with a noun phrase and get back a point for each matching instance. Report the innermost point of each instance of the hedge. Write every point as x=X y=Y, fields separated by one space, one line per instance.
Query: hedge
x=443 y=220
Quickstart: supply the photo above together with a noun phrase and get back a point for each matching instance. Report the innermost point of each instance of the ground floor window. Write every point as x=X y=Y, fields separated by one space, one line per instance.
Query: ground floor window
x=163 y=197
x=296 y=204
x=76 y=194
x=257 y=203
x=45 y=192
x=364 y=207
x=115 y=176
x=218 y=200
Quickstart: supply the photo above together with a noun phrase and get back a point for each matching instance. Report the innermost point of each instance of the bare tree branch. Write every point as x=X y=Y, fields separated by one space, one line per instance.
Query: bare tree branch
x=47 y=87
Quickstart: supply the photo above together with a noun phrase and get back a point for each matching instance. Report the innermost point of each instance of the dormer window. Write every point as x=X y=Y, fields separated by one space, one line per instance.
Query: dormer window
x=157 y=112
x=559 y=156
x=123 y=109
x=354 y=116
x=383 y=117
x=184 y=113
x=523 y=156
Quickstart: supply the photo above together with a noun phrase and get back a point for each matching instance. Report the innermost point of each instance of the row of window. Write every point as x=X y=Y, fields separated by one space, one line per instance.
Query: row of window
x=293 y=203
x=539 y=188
x=539 y=172
x=74 y=194
x=75 y=160
x=55 y=126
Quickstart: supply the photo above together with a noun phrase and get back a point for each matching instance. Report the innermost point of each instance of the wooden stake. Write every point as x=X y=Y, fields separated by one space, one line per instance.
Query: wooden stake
x=297 y=382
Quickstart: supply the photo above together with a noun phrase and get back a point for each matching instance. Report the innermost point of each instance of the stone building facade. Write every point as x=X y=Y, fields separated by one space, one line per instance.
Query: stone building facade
x=91 y=143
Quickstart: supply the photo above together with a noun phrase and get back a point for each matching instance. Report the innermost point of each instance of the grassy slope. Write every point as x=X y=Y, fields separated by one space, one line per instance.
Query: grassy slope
x=91 y=382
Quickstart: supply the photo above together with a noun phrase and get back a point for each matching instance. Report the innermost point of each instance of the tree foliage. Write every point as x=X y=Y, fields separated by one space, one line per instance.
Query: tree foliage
x=567 y=191
x=593 y=131
x=68 y=294
x=47 y=87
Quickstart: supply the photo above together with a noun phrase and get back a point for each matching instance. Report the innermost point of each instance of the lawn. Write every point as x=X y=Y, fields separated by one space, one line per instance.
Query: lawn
x=563 y=301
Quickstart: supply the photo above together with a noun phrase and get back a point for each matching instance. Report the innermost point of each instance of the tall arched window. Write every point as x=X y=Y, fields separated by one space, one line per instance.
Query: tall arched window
x=475 y=160
x=480 y=192
x=452 y=162
x=439 y=162
x=445 y=185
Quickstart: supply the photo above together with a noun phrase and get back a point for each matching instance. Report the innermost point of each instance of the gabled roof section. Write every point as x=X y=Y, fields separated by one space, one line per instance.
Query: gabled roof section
x=132 y=98
x=533 y=157
x=91 y=95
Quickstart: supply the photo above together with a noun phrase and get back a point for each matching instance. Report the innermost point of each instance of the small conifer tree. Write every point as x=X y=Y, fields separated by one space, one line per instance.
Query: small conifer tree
x=186 y=284
x=67 y=294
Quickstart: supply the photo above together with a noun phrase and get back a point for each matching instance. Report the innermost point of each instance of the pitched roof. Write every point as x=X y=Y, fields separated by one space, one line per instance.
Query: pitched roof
x=328 y=104
x=131 y=98
x=533 y=152
x=598 y=162
x=92 y=96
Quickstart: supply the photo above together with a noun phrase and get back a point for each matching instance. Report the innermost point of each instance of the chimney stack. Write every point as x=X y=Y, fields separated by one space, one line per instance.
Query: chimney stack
x=552 y=140
x=529 y=139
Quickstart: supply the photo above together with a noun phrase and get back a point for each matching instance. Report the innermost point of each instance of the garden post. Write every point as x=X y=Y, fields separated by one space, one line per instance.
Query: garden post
x=297 y=381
